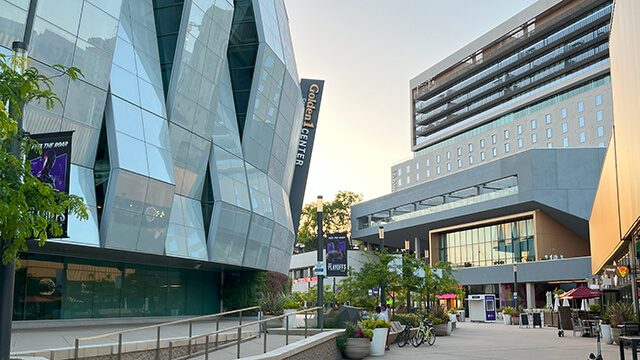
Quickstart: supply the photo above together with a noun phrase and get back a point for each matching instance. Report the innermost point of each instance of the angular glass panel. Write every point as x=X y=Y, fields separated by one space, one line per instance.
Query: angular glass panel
x=177 y=216
x=144 y=38
x=231 y=226
x=196 y=243
x=43 y=36
x=130 y=190
x=259 y=192
x=64 y=13
x=85 y=103
x=160 y=164
x=176 y=243
x=84 y=232
x=131 y=154
x=111 y=7
x=127 y=118
x=122 y=229
x=142 y=11
x=152 y=98
x=153 y=232
x=229 y=178
x=124 y=84
x=94 y=63
x=192 y=211
x=85 y=142
x=156 y=130
x=98 y=28
x=183 y=111
x=148 y=69
x=12 y=20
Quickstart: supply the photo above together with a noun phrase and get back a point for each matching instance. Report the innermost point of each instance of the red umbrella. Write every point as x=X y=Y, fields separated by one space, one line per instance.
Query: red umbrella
x=581 y=292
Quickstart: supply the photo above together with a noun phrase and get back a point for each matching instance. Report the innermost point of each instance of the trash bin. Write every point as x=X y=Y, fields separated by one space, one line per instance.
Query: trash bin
x=461 y=315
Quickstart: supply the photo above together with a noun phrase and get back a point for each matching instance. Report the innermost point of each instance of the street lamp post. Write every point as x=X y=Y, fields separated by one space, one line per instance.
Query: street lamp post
x=320 y=259
x=8 y=271
x=382 y=289
x=426 y=260
x=515 y=286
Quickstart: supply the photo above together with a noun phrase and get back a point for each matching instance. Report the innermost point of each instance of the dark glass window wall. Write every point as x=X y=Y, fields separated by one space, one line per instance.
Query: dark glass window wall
x=496 y=244
x=67 y=288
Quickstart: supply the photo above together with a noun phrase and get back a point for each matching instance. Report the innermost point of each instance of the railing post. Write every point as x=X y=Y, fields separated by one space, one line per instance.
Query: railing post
x=77 y=346
x=120 y=346
x=265 y=340
x=239 y=337
x=158 y=345
x=170 y=350
x=240 y=318
x=206 y=348
x=190 y=334
x=305 y=324
x=286 y=337
x=217 y=329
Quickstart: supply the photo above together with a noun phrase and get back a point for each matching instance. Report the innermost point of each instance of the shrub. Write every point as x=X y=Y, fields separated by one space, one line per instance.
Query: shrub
x=405 y=319
x=289 y=304
x=374 y=324
x=440 y=312
x=620 y=312
x=508 y=310
x=594 y=308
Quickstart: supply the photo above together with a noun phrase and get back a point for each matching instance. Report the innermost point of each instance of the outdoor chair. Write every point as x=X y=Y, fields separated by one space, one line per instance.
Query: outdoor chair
x=396 y=328
x=577 y=325
x=630 y=328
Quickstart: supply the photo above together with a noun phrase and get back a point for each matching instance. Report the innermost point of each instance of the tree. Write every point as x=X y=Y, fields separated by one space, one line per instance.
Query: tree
x=336 y=217
x=27 y=206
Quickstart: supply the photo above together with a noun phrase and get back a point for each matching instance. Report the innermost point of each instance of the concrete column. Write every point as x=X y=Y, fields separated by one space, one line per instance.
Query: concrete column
x=633 y=276
x=531 y=296
x=417 y=246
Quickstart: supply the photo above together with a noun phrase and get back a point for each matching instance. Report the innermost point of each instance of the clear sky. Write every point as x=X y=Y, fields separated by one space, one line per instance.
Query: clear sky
x=367 y=51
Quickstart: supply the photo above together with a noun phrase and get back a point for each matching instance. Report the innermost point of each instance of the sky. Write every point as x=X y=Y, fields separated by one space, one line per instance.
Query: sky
x=367 y=51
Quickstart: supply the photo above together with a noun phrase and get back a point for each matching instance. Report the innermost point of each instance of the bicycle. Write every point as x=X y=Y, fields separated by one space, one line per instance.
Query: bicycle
x=425 y=333
x=403 y=337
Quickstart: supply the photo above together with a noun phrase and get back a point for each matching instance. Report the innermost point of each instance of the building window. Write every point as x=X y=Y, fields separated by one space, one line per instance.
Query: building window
x=470 y=159
x=459 y=151
x=519 y=129
x=581 y=121
x=506 y=134
x=481 y=143
x=533 y=124
x=506 y=147
x=399 y=182
x=448 y=166
x=565 y=127
x=581 y=106
x=470 y=147
x=549 y=145
x=563 y=113
x=582 y=137
x=417 y=166
x=565 y=142
x=534 y=138
x=494 y=151
x=408 y=168
x=601 y=144
x=448 y=155
x=598 y=100
x=482 y=155
x=549 y=133
x=493 y=139
x=408 y=179
x=599 y=115
x=428 y=162
x=417 y=176
x=428 y=173
x=600 y=131
x=437 y=159
x=520 y=143
x=438 y=170
x=548 y=118
x=459 y=163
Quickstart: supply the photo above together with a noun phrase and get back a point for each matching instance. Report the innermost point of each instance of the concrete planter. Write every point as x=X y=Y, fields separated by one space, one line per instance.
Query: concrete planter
x=515 y=319
x=507 y=319
x=606 y=333
x=379 y=342
x=275 y=323
x=443 y=329
x=357 y=348
x=615 y=335
x=292 y=318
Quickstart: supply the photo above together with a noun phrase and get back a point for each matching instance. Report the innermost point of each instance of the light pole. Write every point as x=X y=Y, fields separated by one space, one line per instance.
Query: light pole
x=426 y=260
x=8 y=271
x=382 y=290
x=320 y=259
x=515 y=286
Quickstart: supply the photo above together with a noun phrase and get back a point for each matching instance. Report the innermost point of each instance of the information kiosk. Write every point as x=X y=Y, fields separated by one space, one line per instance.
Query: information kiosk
x=482 y=308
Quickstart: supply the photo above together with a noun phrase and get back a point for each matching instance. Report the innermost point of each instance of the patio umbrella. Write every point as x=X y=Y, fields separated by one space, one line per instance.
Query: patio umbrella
x=581 y=292
x=583 y=306
x=565 y=302
x=556 y=303
x=549 y=300
x=446 y=296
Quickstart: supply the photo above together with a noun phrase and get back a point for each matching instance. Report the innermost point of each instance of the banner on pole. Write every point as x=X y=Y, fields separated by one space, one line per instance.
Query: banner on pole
x=337 y=254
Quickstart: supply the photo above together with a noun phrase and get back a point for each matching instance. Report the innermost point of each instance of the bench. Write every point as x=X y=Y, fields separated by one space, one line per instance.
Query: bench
x=395 y=329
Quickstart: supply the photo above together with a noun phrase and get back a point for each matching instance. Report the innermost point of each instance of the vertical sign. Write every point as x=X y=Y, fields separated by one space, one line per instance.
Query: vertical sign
x=311 y=96
x=53 y=165
x=337 y=254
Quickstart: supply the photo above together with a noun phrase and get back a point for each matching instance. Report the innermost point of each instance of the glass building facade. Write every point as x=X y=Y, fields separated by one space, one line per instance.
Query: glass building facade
x=504 y=243
x=185 y=133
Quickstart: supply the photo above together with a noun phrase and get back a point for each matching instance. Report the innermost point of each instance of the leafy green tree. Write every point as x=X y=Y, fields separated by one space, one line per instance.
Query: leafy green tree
x=28 y=207
x=336 y=218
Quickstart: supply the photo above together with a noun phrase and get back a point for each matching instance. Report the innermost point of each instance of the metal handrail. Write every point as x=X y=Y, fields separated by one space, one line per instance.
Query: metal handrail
x=190 y=321
x=239 y=338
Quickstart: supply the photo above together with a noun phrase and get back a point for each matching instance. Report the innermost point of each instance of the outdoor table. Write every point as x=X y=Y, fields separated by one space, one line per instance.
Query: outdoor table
x=591 y=325
x=633 y=340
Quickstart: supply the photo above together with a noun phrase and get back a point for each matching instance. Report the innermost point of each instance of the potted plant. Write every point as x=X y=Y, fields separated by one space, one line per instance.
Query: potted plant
x=354 y=342
x=499 y=313
x=619 y=313
x=606 y=329
x=507 y=312
x=289 y=307
x=271 y=307
x=453 y=317
x=379 y=341
x=440 y=319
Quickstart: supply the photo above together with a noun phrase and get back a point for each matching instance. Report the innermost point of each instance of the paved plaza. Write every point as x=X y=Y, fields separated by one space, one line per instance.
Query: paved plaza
x=468 y=341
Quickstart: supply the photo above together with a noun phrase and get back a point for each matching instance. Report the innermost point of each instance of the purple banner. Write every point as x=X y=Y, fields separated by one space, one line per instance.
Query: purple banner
x=337 y=254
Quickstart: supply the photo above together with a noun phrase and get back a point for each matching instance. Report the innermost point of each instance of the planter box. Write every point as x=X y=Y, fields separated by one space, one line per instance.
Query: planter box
x=379 y=342
x=515 y=319
x=507 y=319
x=443 y=329
x=276 y=323
x=357 y=348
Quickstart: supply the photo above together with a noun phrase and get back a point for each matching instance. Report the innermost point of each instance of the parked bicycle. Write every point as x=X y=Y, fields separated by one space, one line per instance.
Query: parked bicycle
x=404 y=336
x=425 y=333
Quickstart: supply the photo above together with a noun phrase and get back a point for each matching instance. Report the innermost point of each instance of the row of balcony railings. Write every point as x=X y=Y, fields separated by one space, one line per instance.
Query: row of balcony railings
x=539 y=31
x=211 y=338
